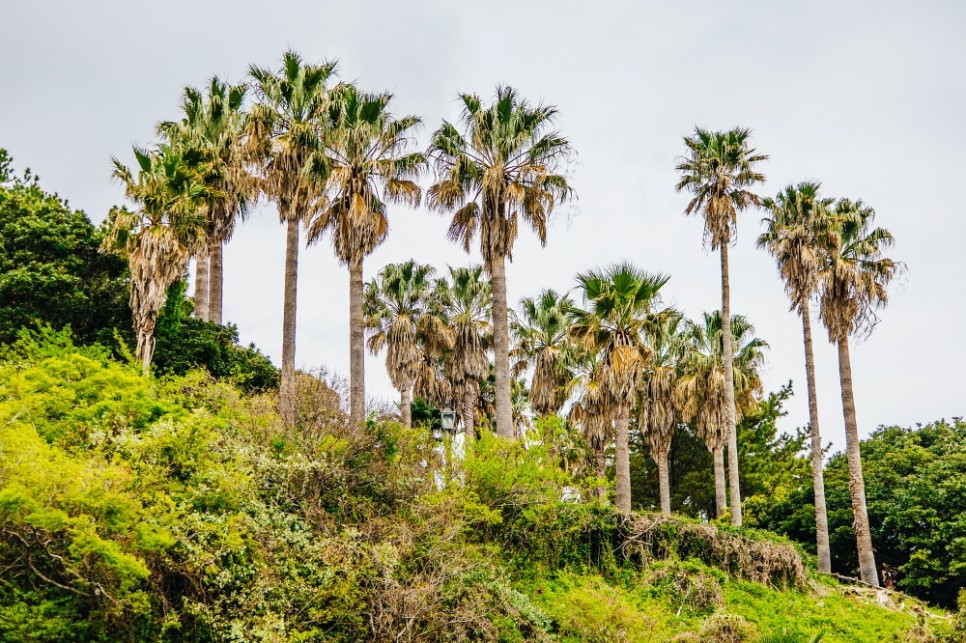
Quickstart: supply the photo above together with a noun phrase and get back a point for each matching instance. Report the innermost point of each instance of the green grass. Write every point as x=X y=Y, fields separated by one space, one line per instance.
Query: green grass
x=586 y=606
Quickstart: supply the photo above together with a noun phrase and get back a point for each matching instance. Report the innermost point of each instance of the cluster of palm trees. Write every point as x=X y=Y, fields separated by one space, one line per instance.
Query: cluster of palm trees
x=333 y=158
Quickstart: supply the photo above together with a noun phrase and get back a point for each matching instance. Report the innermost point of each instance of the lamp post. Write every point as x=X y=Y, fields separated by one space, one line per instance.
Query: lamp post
x=447 y=420
x=447 y=423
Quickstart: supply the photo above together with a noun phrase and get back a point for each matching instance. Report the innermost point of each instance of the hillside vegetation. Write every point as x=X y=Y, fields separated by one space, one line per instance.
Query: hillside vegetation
x=136 y=509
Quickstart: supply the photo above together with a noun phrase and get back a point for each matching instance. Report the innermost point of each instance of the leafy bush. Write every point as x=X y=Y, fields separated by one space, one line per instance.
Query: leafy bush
x=184 y=343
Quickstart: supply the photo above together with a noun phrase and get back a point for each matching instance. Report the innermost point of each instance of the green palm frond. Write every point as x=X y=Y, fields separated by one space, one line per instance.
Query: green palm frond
x=719 y=172
x=500 y=165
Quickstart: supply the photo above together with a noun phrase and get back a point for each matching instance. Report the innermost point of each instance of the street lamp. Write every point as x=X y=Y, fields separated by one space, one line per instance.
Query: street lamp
x=447 y=420
x=447 y=423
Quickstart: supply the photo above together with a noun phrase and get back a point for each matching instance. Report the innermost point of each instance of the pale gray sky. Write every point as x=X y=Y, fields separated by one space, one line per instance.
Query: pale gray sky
x=867 y=97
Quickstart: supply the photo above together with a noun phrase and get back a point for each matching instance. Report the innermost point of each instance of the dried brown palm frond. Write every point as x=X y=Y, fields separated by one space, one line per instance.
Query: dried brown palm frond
x=657 y=408
x=855 y=275
x=159 y=237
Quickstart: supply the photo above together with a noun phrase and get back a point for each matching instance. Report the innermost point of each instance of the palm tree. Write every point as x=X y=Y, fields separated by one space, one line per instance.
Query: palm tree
x=395 y=305
x=466 y=301
x=285 y=139
x=214 y=124
x=370 y=165
x=161 y=235
x=541 y=332
x=700 y=391
x=794 y=226
x=500 y=168
x=719 y=171
x=621 y=301
x=657 y=409
x=853 y=278
x=590 y=414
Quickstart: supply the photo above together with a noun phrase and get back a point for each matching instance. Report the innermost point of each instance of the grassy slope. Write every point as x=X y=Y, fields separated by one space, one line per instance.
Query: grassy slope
x=589 y=607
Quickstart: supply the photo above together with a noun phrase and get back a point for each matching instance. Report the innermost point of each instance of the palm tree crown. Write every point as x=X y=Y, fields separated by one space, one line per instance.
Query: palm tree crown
x=396 y=309
x=718 y=172
x=797 y=218
x=499 y=168
x=621 y=302
x=367 y=150
x=854 y=274
x=542 y=332
x=701 y=385
x=214 y=124
x=286 y=131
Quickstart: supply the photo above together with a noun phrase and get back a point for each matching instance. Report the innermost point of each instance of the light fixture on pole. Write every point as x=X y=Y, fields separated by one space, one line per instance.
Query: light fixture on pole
x=447 y=423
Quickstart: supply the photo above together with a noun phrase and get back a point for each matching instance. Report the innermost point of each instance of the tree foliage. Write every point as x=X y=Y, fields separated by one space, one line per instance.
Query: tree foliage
x=916 y=491
x=50 y=269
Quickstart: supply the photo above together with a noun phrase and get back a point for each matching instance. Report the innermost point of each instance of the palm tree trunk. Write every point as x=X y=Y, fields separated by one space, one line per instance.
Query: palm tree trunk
x=622 y=463
x=860 y=524
x=287 y=388
x=727 y=354
x=469 y=413
x=720 y=495
x=664 y=482
x=818 y=479
x=216 y=277
x=406 y=407
x=501 y=349
x=202 y=286
x=145 y=347
x=601 y=463
x=357 y=365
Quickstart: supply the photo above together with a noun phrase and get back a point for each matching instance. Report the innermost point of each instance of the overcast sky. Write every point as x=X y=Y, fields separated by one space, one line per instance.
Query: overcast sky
x=867 y=97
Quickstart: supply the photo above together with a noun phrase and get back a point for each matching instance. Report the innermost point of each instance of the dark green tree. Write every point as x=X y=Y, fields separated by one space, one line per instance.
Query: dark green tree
x=50 y=268
x=915 y=484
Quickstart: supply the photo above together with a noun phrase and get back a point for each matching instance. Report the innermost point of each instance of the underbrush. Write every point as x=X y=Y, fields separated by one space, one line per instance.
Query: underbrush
x=135 y=509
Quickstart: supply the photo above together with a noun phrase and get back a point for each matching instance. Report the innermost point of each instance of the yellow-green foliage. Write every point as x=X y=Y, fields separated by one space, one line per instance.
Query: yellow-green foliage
x=135 y=509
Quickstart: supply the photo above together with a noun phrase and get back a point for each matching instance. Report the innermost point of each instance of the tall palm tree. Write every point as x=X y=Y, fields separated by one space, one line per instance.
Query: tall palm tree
x=657 y=411
x=700 y=391
x=285 y=134
x=396 y=303
x=370 y=165
x=501 y=167
x=214 y=124
x=541 y=333
x=466 y=301
x=621 y=301
x=718 y=171
x=160 y=236
x=853 y=278
x=795 y=224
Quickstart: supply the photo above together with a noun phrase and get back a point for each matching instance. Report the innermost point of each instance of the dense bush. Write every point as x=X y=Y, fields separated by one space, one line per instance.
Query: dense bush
x=182 y=509
x=184 y=343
